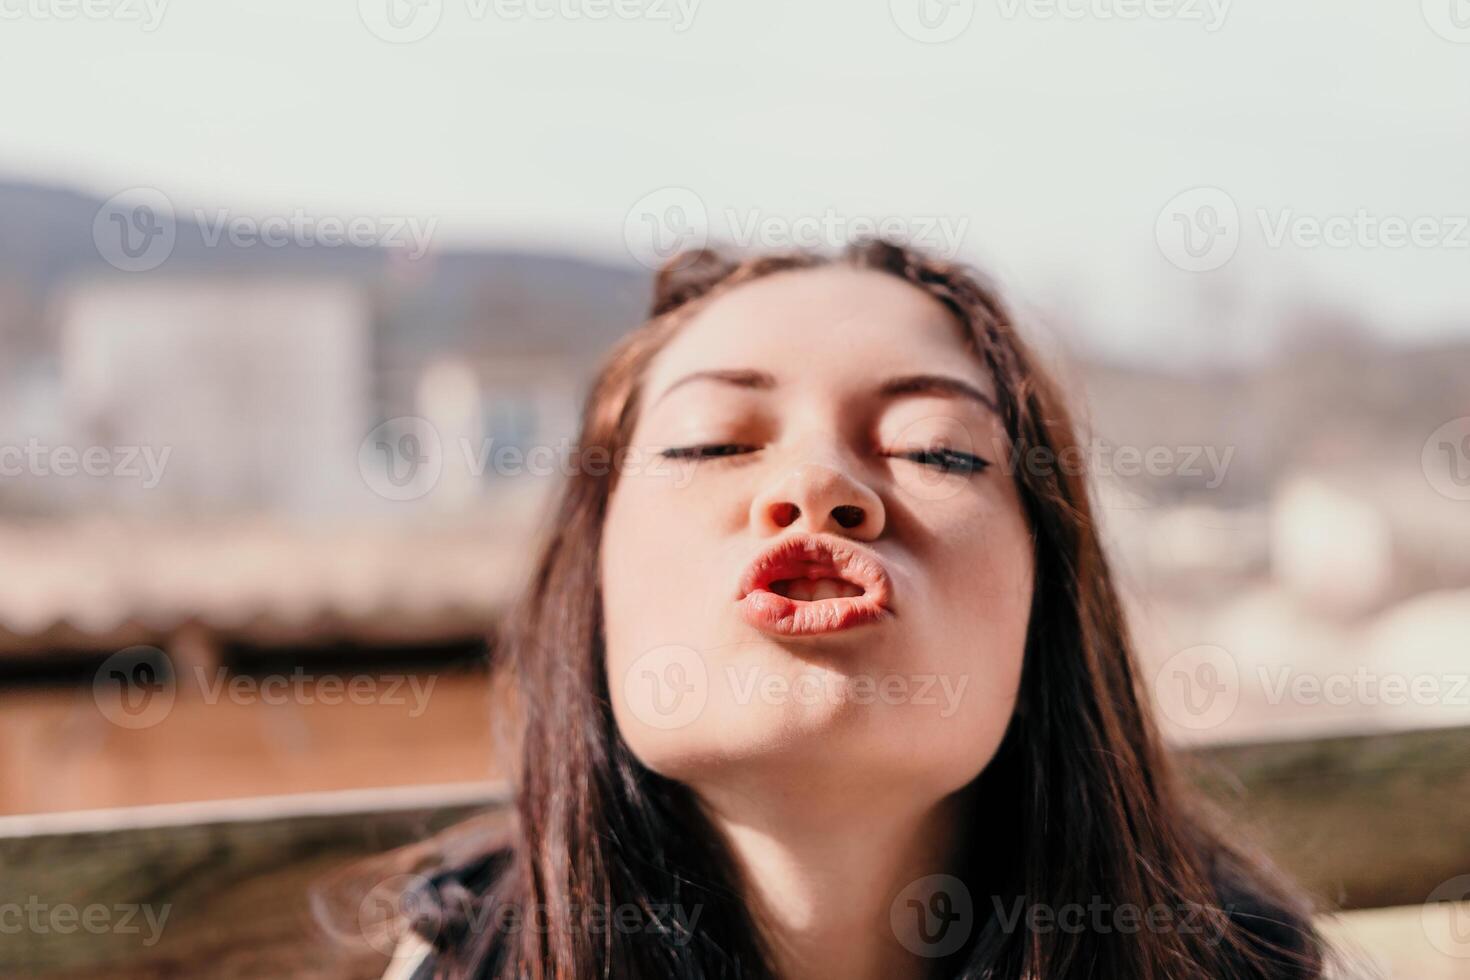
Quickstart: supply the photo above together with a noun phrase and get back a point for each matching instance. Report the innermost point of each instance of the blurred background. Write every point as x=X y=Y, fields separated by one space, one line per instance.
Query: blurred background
x=298 y=304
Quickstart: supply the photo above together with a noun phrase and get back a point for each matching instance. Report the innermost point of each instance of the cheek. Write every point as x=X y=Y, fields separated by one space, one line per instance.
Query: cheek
x=631 y=577
x=984 y=583
x=632 y=569
x=669 y=551
x=975 y=622
x=660 y=588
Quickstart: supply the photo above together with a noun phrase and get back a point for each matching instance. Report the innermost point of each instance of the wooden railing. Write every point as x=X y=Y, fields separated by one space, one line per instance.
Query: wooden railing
x=221 y=889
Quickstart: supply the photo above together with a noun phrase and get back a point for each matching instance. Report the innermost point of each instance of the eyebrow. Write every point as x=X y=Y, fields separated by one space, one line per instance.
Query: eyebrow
x=935 y=384
x=939 y=385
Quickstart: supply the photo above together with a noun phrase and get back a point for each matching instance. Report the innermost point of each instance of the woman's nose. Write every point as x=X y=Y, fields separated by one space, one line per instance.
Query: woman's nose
x=819 y=497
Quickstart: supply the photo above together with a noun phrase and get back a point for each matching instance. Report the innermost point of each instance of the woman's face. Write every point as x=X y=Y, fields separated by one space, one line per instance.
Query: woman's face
x=807 y=574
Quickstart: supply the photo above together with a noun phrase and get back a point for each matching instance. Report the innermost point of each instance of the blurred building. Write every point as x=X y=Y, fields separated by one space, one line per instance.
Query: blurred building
x=250 y=393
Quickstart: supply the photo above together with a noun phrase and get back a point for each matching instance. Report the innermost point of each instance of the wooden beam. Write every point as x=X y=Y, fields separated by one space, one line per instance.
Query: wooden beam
x=219 y=889
x=1365 y=821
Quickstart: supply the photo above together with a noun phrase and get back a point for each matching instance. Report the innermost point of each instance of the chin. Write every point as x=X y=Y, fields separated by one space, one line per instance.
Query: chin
x=850 y=711
x=810 y=751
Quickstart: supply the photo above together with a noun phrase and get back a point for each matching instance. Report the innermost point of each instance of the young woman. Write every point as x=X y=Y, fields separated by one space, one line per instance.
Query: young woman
x=823 y=674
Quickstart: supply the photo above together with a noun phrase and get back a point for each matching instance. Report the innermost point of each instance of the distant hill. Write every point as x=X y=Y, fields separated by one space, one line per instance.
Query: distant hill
x=476 y=298
x=1345 y=405
x=1332 y=398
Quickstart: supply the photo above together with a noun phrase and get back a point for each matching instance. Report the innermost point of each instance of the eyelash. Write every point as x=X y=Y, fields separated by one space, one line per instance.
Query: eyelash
x=712 y=450
x=948 y=460
x=944 y=458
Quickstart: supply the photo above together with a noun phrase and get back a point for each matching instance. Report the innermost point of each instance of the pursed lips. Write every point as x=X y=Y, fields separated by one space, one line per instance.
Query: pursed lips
x=805 y=585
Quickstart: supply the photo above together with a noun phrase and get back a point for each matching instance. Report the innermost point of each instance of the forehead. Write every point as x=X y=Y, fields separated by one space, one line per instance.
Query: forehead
x=836 y=323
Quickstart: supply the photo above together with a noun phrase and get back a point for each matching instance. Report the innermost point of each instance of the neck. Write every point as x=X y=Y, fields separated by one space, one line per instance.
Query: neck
x=822 y=875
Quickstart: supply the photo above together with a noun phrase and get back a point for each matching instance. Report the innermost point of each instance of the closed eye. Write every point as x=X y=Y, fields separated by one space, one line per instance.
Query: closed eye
x=707 y=451
x=948 y=460
x=943 y=458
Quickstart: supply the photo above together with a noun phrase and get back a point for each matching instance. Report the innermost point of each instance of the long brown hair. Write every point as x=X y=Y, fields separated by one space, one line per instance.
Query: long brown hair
x=1081 y=784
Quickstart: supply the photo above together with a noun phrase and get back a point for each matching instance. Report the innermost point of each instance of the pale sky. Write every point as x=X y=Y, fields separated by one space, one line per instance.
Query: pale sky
x=1051 y=135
